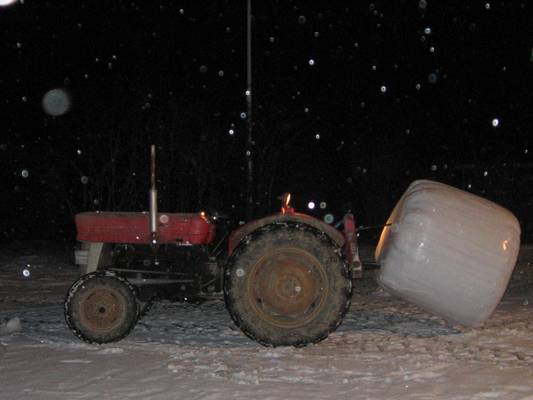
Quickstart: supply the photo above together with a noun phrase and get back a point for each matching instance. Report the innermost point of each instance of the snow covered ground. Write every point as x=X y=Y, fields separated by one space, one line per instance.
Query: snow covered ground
x=385 y=349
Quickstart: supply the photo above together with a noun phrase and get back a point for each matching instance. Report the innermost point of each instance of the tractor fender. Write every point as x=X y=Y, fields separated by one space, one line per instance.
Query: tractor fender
x=239 y=234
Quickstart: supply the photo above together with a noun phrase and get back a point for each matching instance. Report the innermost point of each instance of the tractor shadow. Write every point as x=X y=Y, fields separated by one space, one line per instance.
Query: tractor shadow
x=374 y=311
x=403 y=324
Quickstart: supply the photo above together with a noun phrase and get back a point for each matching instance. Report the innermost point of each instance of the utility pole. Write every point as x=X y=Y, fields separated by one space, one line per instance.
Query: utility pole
x=249 y=125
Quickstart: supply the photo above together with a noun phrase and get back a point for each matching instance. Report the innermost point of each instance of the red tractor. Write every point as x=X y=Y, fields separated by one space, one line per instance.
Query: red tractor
x=286 y=278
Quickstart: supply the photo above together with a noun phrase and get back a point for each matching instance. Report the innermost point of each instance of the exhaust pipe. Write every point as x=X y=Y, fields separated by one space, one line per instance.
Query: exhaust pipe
x=153 y=197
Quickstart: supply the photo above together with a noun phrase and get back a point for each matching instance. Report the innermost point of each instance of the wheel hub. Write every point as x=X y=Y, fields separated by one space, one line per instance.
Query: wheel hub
x=287 y=287
x=102 y=309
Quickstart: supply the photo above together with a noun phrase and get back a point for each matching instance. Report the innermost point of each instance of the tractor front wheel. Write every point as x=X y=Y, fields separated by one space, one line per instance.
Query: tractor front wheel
x=286 y=285
x=101 y=308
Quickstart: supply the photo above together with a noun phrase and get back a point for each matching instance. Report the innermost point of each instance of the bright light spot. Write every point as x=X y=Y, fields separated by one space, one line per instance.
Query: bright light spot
x=243 y=115
x=4 y=3
x=485 y=173
x=78 y=152
x=432 y=49
x=329 y=218
x=374 y=67
x=25 y=173
x=302 y=19
x=526 y=151
x=248 y=153
x=231 y=132
x=182 y=11
x=317 y=136
x=422 y=4
x=323 y=205
x=427 y=30
x=418 y=86
x=272 y=39
x=248 y=93
x=306 y=109
x=504 y=244
x=84 y=180
x=316 y=34
x=311 y=62
x=433 y=167
x=487 y=6
x=495 y=122
x=26 y=273
x=311 y=205
x=383 y=89
x=56 y=102
x=203 y=69
x=221 y=73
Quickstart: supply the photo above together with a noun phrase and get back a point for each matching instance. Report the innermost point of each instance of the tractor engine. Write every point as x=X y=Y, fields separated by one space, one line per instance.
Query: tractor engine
x=175 y=264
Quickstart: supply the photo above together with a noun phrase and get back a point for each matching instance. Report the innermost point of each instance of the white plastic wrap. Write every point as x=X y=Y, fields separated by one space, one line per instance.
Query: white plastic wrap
x=448 y=251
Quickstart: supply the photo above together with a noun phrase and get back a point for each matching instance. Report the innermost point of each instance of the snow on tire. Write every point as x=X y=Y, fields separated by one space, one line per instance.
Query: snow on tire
x=101 y=308
x=286 y=285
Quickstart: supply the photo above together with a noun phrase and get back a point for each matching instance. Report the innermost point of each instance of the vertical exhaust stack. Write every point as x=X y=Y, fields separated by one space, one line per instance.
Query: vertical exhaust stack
x=153 y=197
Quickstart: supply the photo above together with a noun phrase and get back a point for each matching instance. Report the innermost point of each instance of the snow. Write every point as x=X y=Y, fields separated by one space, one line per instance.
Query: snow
x=385 y=348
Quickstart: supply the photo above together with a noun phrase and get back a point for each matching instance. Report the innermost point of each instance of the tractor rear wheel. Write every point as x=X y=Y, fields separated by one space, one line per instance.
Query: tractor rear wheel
x=286 y=285
x=101 y=308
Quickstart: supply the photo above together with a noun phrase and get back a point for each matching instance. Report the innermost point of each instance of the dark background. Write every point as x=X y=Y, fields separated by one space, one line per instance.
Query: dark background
x=397 y=91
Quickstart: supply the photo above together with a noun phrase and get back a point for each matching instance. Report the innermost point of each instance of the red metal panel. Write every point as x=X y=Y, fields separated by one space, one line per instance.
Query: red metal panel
x=351 y=249
x=133 y=227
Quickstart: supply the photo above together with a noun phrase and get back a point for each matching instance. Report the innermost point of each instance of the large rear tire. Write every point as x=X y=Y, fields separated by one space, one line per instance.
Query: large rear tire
x=286 y=285
x=101 y=308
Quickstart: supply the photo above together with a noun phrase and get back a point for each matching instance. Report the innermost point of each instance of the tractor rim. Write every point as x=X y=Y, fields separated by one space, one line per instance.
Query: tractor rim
x=287 y=287
x=102 y=310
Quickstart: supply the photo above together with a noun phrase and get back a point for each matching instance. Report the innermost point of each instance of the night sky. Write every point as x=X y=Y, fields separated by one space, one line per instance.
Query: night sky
x=352 y=102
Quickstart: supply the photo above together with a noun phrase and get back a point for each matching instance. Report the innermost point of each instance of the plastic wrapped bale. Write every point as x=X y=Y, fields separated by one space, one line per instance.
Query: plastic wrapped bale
x=448 y=251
